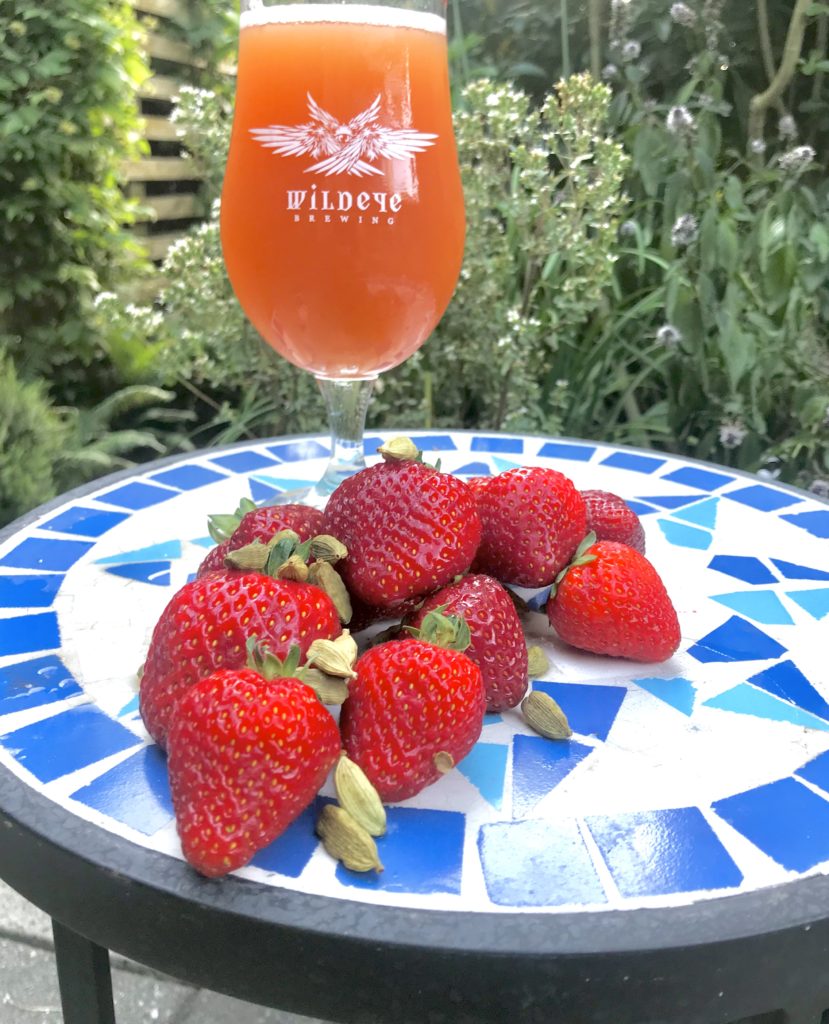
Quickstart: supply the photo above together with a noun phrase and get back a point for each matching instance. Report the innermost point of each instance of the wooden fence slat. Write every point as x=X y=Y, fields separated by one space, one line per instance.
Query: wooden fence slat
x=159 y=129
x=157 y=245
x=161 y=168
x=175 y=10
x=176 y=207
x=159 y=87
x=164 y=48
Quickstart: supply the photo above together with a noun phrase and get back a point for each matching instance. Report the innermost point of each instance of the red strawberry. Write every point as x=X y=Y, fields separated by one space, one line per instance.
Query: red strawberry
x=413 y=711
x=497 y=645
x=611 y=518
x=246 y=757
x=409 y=529
x=207 y=624
x=257 y=523
x=533 y=519
x=611 y=600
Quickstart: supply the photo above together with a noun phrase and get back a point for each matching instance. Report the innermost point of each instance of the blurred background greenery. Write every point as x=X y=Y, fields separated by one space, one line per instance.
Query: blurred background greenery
x=647 y=246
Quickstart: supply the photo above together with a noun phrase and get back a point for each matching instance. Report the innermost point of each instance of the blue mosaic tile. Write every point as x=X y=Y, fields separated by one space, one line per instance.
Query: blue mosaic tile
x=816 y=523
x=633 y=462
x=297 y=451
x=504 y=445
x=591 y=709
x=787 y=681
x=653 y=853
x=371 y=444
x=67 y=741
x=701 y=513
x=474 y=469
x=289 y=853
x=261 y=492
x=696 y=476
x=538 y=766
x=562 y=450
x=793 y=571
x=26 y=634
x=435 y=443
x=736 y=640
x=537 y=864
x=639 y=507
x=816 y=771
x=244 y=462
x=421 y=852
x=155 y=573
x=760 y=605
x=767 y=499
x=671 y=500
x=785 y=819
x=188 y=478
x=45 y=553
x=682 y=535
x=84 y=522
x=130 y=709
x=282 y=483
x=742 y=567
x=137 y=495
x=485 y=766
x=745 y=699
x=28 y=684
x=29 y=591
x=165 y=550
x=504 y=465
x=815 y=602
x=135 y=792
x=680 y=693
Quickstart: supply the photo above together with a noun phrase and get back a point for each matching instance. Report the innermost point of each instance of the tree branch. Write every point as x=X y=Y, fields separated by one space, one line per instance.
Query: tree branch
x=761 y=102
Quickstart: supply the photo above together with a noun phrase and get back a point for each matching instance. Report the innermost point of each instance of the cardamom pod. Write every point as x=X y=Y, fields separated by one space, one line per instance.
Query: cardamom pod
x=326 y=577
x=537 y=662
x=334 y=657
x=399 y=449
x=253 y=557
x=545 y=716
x=357 y=796
x=293 y=569
x=325 y=548
x=329 y=690
x=346 y=840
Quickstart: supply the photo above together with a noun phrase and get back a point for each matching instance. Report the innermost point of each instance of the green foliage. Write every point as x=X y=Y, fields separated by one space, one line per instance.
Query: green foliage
x=68 y=119
x=32 y=436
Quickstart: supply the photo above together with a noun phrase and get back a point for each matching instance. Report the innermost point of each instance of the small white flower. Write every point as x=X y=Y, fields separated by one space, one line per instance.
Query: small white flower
x=609 y=72
x=668 y=336
x=631 y=50
x=820 y=488
x=787 y=127
x=758 y=146
x=684 y=231
x=682 y=14
x=732 y=434
x=628 y=228
x=797 y=159
x=679 y=120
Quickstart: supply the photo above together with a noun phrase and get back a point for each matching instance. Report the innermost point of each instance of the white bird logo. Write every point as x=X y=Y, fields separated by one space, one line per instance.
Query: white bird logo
x=346 y=148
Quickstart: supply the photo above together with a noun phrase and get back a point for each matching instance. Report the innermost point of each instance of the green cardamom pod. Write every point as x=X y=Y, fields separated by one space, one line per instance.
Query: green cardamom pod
x=545 y=716
x=357 y=796
x=346 y=840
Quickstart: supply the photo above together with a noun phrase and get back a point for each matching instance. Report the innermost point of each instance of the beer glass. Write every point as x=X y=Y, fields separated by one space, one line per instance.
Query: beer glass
x=342 y=217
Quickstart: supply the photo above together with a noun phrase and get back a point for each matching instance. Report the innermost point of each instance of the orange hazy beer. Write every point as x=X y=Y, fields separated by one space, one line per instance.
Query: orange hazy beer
x=342 y=213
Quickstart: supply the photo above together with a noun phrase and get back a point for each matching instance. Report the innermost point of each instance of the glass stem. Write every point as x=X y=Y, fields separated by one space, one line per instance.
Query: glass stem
x=347 y=404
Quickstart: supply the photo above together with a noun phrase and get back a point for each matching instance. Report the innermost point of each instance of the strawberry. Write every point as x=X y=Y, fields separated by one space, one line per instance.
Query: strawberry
x=408 y=528
x=497 y=645
x=246 y=756
x=532 y=520
x=611 y=518
x=611 y=600
x=207 y=624
x=413 y=711
x=251 y=523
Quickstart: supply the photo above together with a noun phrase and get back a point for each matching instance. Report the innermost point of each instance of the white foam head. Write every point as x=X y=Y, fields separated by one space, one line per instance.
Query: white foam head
x=349 y=14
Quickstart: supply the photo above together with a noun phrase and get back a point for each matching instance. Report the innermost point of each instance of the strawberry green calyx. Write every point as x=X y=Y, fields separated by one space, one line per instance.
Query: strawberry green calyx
x=448 y=631
x=268 y=665
x=400 y=449
x=330 y=687
x=582 y=556
x=221 y=527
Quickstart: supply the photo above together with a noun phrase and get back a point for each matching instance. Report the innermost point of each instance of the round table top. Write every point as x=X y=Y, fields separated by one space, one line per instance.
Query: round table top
x=690 y=808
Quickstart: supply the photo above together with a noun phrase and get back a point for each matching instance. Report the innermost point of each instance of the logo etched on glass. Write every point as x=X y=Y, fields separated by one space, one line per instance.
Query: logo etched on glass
x=346 y=148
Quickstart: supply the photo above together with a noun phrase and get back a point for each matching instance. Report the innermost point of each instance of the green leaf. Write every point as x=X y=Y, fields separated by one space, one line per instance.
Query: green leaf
x=728 y=247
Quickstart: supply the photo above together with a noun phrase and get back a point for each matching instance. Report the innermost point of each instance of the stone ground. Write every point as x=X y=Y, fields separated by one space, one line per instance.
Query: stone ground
x=29 y=987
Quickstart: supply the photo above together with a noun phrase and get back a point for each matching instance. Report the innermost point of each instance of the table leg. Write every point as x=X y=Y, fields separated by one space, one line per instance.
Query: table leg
x=84 y=978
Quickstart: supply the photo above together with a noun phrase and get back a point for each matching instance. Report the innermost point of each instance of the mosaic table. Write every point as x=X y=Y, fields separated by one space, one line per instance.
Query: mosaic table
x=670 y=862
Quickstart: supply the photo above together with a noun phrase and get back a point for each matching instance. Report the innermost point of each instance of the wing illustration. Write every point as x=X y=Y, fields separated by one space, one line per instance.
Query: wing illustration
x=348 y=160
x=397 y=143
x=318 y=137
